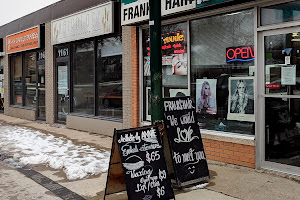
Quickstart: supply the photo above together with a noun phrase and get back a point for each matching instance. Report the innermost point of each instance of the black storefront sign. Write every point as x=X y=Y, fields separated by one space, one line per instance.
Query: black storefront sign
x=188 y=156
x=143 y=163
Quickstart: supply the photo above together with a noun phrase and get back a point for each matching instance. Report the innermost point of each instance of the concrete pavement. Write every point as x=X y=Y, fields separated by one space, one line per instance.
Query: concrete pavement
x=228 y=182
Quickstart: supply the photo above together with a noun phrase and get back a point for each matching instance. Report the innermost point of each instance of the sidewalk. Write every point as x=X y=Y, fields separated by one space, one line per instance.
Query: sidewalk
x=228 y=182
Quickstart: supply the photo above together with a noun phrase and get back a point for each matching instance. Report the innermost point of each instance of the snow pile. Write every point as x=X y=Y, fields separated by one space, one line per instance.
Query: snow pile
x=34 y=147
x=200 y=186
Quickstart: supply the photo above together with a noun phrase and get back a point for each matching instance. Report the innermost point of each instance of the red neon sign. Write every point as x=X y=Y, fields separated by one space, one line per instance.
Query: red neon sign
x=240 y=54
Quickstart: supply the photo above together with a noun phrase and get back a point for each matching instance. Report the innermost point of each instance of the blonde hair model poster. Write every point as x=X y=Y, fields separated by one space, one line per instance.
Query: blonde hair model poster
x=241 y=99
x=206 y=96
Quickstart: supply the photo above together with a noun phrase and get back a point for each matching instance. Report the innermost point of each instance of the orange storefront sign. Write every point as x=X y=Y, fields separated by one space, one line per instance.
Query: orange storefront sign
x=25 y=40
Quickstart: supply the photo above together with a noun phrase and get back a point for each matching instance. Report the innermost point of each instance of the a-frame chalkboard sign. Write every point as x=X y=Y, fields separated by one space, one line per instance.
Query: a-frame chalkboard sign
x=187 y=152
x=140 y=163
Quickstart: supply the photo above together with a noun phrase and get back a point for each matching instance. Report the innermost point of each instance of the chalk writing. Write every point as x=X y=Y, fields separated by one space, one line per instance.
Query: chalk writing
x=185 y=135
x=178 y=105
x=143 y=162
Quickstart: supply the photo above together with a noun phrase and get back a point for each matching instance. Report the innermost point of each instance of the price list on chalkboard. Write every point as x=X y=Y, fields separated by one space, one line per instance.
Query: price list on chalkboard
x=143 y=162
x=188 y=156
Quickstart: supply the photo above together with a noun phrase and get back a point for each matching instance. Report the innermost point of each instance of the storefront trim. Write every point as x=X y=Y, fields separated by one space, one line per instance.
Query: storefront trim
x=96 y=117
x=262 y=32
x=22 y=107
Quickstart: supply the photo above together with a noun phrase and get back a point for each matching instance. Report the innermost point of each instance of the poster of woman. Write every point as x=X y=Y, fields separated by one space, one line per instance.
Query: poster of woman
x=241 y=99
x=206 y=96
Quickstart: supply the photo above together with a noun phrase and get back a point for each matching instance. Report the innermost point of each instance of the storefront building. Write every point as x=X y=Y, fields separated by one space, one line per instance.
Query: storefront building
x=88 y=64
x=56 y=64
x=239 y=62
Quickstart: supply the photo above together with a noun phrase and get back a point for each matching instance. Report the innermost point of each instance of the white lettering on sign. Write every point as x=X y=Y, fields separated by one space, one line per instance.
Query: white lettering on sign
x=173 y=6
x=138 y=10
x=85 y=24
x=178 y=105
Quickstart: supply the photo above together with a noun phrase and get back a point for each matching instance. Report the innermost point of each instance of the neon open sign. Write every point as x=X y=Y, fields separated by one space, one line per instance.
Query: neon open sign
x=242 y=54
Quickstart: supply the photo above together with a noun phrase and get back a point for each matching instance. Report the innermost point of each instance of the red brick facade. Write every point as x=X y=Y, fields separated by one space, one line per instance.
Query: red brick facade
x=238 y=154
x=135 y=77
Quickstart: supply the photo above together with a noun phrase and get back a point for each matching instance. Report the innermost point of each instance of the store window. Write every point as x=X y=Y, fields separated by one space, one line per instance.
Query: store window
x=30 y=79
x=174 y=64
x=280 y=13
x=16 y=72
x=222 y=71
x=96 y=71
x=83 y=78
x=110 y=77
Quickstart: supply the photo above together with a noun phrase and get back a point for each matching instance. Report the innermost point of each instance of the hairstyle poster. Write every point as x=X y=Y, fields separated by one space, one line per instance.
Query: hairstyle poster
x=241 y=99
x=206 y=96
x=179 y=64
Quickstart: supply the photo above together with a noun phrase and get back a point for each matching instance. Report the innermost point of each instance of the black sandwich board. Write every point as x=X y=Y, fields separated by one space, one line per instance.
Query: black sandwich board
x=143 y=164
x=187 y=152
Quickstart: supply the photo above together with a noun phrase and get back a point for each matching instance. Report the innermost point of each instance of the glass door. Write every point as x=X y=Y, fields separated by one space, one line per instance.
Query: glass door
x=62 y=91
x=41 y=108
x=62 y=83
x=40 y=86
x=282 y=99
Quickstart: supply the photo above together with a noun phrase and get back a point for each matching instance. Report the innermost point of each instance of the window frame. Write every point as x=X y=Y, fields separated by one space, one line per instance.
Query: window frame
x=188 y=20
x=71 y=45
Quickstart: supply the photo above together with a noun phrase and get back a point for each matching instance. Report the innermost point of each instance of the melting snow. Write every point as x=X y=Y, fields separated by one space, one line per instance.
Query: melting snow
x=34 y=147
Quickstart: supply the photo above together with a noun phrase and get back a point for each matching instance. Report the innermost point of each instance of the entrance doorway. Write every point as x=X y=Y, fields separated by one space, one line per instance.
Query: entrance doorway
x=40 y=89
x=281 y=99
x=62 y=85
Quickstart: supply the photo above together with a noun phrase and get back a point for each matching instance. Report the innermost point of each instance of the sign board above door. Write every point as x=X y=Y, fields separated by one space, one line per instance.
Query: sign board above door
x=134 y=11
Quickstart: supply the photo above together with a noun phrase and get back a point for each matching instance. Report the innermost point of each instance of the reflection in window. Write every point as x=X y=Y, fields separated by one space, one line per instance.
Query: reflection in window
x=222 y=62
x=282 y=62
x=16 y=70
x=110 y=77
x=30 y=79
x=174 y=64
x=83 y=78
x=283 y=130
x=289 y=11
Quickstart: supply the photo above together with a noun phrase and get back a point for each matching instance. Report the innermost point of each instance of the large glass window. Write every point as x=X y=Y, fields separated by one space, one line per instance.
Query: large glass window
x=110 y=77
x=83 y=78
x=280 y=13
x=174 y=61
x=282 y=106
x=30 y=79
x=222 y=70
x=16 y=70
x=97 y=74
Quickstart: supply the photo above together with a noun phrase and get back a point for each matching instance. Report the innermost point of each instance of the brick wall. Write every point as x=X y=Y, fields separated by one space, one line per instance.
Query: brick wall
x=238 y=154
x=130 y=70
x=49 y=77
x=134 y=77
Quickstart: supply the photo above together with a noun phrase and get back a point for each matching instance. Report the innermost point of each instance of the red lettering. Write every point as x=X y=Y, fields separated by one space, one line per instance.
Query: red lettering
x=237 y=51
x=245 y=52
x=228 y=54
x=252 y=52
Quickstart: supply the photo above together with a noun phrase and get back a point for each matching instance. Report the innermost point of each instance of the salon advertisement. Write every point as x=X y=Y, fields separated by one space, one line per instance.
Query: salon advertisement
x=241 y=99
x=179 y=64
x=206 y=96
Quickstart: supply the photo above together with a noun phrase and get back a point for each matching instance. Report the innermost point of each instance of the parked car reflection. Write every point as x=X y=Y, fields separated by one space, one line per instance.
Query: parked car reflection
x=112 y=98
